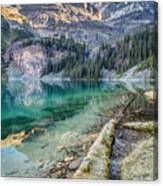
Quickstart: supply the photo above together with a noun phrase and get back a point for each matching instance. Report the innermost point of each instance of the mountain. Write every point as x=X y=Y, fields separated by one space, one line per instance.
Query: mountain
x=75 y=32
x=85 y=22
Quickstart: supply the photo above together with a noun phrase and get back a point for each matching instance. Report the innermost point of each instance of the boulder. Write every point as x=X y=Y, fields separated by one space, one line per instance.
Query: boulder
x=75 y=164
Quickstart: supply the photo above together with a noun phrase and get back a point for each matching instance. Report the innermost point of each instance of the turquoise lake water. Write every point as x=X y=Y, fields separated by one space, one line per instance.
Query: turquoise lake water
x=67 y=110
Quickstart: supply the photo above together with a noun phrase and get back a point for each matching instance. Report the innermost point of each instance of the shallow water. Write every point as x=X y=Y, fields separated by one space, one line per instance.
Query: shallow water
x=67 y=110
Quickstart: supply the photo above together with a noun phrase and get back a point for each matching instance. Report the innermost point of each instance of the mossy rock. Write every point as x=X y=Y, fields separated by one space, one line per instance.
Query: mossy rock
x=140 y=163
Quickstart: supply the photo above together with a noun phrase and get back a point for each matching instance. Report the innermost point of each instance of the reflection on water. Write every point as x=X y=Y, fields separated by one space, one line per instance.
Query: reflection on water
x=67 y=109
x=24 y=102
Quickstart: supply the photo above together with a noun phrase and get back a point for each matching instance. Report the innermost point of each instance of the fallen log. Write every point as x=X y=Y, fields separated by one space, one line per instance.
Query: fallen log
x=149 y=126
x=96 y=163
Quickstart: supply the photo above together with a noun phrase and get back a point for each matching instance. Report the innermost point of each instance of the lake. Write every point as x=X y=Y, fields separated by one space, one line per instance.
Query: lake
x=67 y=110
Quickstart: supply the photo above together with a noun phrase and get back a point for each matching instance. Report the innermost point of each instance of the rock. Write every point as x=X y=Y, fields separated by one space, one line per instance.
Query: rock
x=140 y=163
x=85 y=147
x=26 y=161
x=13 y=14
x=150 y=96
x=149 y=126
x=15 y=139
x=76 y=163
x=37 y=130
x=97 y=162
x=70 y=134
x=44 y=145
x=67 y=159
x=59 y=165
x=69 y=175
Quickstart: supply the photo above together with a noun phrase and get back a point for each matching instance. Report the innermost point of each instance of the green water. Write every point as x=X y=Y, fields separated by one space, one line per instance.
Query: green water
x=67 y=110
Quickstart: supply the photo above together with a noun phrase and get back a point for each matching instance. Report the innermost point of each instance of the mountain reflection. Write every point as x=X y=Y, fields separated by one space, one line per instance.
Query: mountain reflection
x=35 y=93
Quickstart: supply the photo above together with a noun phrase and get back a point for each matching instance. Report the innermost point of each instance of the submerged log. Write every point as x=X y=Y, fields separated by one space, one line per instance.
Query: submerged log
x=97 y=162
x=148 y=126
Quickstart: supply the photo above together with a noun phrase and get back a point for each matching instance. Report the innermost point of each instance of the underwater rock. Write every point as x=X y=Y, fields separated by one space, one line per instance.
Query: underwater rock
x=75 y=164
x=150 y=96
x=37 y=130
x=96 y=163
x=67 y=159
x=139 y=164
x=15 y=139
x=142 y=126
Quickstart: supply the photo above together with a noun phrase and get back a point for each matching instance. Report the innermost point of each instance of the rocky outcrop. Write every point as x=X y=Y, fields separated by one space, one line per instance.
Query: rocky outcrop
x=29 y=61
x=56 y=14
x=11 y=32
x=12 y=13
x=96 y=163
